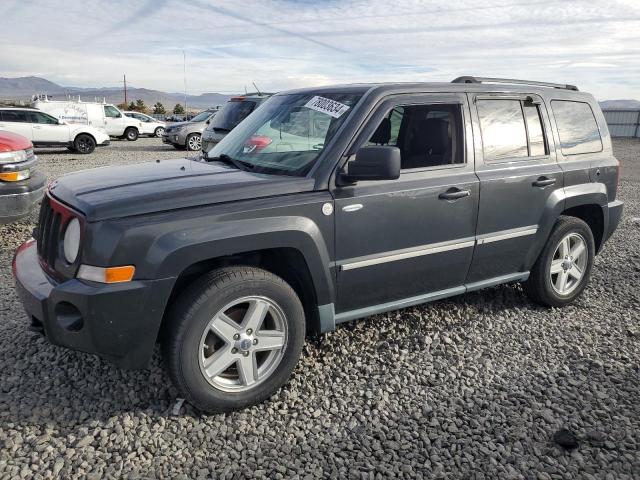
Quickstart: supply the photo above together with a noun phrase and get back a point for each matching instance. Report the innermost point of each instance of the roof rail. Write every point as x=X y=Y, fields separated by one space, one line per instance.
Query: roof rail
x=470 y=79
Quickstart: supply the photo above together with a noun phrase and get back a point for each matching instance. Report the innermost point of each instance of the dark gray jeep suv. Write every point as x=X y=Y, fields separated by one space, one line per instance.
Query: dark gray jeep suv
x=325 y=205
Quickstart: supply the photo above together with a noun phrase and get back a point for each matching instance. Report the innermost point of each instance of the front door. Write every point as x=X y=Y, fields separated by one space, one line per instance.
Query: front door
x=402 y=241
x=47 y=130
x=113 y=122
x=518 y=172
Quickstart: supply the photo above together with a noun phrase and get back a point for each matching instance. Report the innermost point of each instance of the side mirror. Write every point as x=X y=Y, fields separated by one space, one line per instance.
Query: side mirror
x=61 y=122
x=374 y=163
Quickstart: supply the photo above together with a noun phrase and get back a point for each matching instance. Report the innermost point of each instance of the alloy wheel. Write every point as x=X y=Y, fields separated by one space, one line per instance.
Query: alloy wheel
x=569 y=264
x=243 y=344
x=195 y=142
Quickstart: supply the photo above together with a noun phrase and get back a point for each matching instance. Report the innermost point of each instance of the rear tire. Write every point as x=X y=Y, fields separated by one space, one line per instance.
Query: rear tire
x=233 y=338
x=563 y=268
x=84 y=144
x=131 y=134
x=194 y=142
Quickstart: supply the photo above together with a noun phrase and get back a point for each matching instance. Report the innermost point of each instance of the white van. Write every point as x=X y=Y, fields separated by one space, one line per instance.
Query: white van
x=100 y=115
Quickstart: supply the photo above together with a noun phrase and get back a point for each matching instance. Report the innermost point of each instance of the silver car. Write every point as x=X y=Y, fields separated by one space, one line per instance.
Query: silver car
x=188 y=134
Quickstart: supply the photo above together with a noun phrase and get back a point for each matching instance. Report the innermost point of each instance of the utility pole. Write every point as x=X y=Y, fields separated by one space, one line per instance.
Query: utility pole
x=184 y=72
x=125 y=89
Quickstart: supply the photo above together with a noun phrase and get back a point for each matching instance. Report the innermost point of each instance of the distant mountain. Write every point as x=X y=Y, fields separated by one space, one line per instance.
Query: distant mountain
x=22 y=88
x=635 y=104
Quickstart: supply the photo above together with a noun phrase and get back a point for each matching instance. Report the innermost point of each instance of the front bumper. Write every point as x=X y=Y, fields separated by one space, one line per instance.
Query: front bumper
x=118 y=322
x=18 y=199
x=174 y=138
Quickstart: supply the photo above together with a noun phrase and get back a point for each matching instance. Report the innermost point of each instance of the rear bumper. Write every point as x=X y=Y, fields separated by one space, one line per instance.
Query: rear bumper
x=118 y=322
x=104 y=143
x=615 y=214
x=18 y=199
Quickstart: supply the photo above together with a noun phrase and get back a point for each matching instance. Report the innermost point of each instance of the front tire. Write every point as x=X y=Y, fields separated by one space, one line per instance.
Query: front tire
x=233 y=338
x=194 y=142
x=563 y=268
x=158 y=132
x=84 y=144
x=131 y=134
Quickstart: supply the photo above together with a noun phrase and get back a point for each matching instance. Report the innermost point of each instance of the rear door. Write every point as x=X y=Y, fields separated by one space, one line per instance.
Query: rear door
x=46 y=129
x=16 y=121
x=408 y=240
x=518 y=172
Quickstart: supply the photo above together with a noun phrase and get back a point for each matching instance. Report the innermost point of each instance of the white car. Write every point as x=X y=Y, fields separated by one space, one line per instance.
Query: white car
x=150 y=126
x=95 y=114
x=46 y=131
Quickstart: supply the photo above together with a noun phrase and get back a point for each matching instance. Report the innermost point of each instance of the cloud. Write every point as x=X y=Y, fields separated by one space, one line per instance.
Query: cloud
x=287 y=44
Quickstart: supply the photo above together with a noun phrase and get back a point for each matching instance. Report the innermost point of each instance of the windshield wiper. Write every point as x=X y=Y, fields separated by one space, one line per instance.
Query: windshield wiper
x=240 y=165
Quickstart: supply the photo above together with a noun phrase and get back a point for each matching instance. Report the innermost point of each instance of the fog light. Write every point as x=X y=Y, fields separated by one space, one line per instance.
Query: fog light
x=69 y=317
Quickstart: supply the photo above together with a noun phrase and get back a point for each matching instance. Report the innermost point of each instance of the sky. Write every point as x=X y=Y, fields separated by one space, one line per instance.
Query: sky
x=283 y=44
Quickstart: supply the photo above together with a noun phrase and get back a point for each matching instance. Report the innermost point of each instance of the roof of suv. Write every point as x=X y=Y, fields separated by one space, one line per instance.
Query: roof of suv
x=459 y=85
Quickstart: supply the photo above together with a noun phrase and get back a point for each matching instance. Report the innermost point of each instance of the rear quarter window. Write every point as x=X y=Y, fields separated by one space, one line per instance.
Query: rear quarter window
x=577 y=127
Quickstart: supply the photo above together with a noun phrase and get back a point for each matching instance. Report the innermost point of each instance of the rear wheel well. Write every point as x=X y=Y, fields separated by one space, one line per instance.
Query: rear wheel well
x=287 y=263
x=592 y=215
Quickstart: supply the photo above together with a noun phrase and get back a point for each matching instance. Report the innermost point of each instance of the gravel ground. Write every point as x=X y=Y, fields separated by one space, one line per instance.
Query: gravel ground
x=472 y=387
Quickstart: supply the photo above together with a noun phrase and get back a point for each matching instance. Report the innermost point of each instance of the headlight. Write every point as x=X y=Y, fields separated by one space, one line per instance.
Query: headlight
x=16 y=157
x=72 y=240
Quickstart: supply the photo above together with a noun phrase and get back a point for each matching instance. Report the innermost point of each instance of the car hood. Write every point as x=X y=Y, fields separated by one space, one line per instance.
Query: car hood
x=112 y=192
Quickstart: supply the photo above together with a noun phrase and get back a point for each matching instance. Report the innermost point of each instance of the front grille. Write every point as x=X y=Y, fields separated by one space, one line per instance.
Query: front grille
x=49 y=234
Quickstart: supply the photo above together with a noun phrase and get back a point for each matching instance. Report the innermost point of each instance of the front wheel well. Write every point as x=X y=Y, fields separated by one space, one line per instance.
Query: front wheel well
x=287 y=263
x=593 y=216
x=86 y=134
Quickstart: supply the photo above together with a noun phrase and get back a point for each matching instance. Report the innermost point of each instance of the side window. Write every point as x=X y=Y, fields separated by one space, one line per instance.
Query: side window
x=503 y=131
x=577 y=127
x=14 y=116
x=537 y=145
x=427 y=135
x=511 y=129
x=39 y=117
x=111 y=112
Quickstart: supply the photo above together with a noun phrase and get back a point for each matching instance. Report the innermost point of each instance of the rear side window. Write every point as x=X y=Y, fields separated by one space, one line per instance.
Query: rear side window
x=14 y=116
x=577 y=127
x=39 y=117
x=231 y=114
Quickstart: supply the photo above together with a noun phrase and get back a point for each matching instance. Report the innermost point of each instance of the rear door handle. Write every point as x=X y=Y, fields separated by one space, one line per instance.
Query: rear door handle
x=544 y=182
x=37 y=127
x=454 y=194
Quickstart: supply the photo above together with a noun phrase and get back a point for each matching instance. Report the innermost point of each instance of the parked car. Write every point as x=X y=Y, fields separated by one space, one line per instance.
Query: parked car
x=391 y=195
x=99 y=115
x=44 y=130
x=229 y=116
x=21 y=184
x=149 y=125
x=188 y=134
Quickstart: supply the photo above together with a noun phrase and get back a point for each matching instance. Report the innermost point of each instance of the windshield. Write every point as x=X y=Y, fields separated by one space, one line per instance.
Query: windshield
x=286 y=134
x=201 y=117
x=231 y=114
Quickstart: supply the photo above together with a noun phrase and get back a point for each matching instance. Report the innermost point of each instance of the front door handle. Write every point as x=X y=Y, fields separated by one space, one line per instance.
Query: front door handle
x=37 y=127
x=454 y=194
x=544 y=182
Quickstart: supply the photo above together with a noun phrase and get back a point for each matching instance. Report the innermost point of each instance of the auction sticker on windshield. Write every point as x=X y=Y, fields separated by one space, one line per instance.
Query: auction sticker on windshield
x=328 y=106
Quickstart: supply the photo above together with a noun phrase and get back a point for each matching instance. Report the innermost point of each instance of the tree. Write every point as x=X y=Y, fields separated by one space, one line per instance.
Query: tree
x=158 y=109
x=178 y=109
x=140 y=106
x=132 y=106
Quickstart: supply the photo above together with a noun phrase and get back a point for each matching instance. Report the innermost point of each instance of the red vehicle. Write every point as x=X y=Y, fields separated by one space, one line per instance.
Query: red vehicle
x=20 y=185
